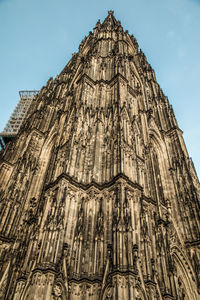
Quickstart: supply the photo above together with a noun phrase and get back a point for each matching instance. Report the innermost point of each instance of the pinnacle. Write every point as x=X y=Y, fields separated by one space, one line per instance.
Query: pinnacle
x=110 y=21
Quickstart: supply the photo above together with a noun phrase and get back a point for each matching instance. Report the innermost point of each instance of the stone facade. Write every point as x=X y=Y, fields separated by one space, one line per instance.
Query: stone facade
x=99 y=199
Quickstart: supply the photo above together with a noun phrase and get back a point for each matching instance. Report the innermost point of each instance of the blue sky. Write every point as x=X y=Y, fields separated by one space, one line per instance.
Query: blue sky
x=38 y=37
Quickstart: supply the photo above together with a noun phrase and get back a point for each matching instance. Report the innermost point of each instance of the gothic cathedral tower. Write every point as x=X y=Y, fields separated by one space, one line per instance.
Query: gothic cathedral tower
x=98 y=198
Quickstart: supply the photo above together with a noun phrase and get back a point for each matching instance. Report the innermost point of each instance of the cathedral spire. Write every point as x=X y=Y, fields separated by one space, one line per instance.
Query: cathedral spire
x=98 y=198
x=110 y=22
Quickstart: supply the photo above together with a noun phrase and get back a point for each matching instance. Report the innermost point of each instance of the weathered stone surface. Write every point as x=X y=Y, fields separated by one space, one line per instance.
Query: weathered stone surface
x=99 y=199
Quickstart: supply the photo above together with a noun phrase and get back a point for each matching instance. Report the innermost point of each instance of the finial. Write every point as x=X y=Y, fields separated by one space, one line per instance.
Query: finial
x=111 y=12
x=98 y=24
